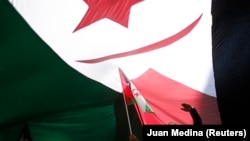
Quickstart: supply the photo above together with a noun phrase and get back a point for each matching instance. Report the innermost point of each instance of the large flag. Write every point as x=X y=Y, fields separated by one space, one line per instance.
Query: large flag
x=90 y=40
x=38 y=87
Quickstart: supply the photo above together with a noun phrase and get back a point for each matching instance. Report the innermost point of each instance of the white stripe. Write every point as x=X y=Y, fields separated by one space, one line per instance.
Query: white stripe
x=140 y=100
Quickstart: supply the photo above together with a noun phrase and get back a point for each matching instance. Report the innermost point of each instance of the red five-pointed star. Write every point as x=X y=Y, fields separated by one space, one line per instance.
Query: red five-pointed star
x=116 y=10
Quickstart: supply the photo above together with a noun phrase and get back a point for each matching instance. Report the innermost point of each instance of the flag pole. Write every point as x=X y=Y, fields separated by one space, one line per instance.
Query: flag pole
x=124 y=78
x=126 y=107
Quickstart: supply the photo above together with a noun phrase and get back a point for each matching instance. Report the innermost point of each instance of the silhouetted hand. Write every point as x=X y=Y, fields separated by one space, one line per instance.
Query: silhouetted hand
x=193 y=112
x=186 y=107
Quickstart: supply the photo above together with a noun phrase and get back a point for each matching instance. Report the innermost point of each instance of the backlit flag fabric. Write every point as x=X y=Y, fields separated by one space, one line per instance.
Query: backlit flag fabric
x=164 y=47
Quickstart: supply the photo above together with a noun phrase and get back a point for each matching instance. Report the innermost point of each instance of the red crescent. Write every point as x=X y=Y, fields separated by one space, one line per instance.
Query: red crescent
x=151 y=47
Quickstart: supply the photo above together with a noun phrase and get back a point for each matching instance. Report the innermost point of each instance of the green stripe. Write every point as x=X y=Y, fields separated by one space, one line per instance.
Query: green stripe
x=148 y=109
x=35 y=83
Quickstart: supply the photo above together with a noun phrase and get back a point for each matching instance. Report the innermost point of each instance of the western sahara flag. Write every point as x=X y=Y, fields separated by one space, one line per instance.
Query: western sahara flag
x=132 y=95
x=126 y=89
x=163 y=46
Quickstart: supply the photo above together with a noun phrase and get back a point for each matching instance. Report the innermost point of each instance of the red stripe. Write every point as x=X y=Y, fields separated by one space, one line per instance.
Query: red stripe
x=165 y=97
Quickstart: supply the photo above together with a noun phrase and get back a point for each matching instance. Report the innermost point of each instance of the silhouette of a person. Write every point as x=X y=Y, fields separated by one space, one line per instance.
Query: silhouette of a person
x=193 y=112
